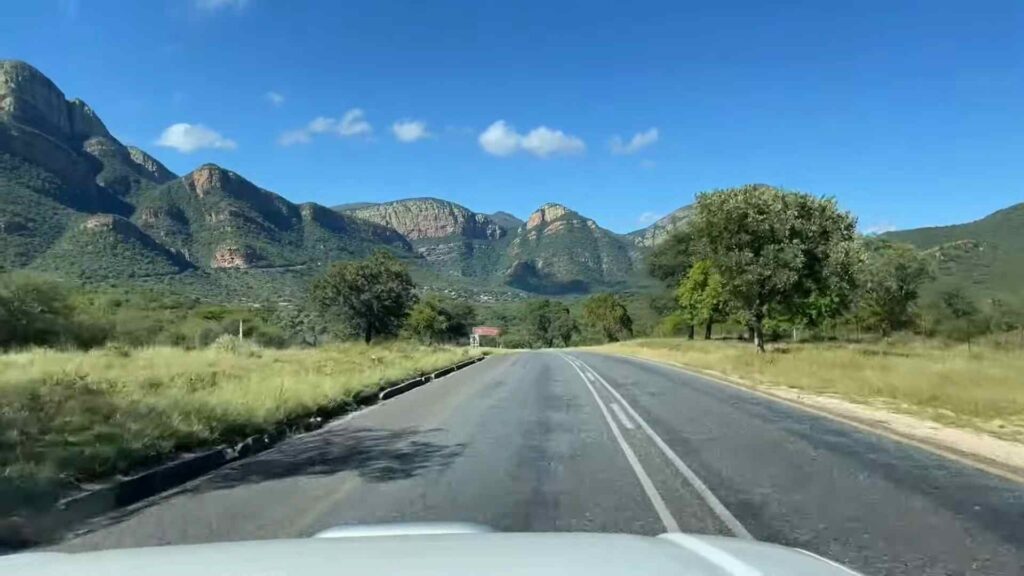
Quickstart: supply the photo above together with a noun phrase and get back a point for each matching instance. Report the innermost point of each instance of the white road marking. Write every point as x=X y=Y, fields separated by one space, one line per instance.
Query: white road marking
x=712 y=501
x=622 y=416
x=731 y=564
x=652 y=493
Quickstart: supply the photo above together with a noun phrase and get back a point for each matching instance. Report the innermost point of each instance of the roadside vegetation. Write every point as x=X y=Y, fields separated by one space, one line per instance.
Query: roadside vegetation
x=73 y=416
x=939 y=380
x=97 y=381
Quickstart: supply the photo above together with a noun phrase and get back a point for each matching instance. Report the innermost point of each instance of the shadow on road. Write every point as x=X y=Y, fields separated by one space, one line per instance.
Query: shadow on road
x=375 y=455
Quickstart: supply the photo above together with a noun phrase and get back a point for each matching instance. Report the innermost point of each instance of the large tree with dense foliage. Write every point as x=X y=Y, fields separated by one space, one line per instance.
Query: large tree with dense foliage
x=670 y=260
x=545 y=323
x=701 y=296
x=371 y=297
x=433 y=319
x=777 y=252
x=889 y=279
x=606 y=315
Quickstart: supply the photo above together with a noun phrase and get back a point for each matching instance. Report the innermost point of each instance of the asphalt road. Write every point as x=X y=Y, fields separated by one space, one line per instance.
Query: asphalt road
x=544 y=441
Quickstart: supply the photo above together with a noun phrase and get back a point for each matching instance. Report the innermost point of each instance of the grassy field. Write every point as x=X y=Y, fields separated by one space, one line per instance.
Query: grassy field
x=68 y=417
x=982 y=389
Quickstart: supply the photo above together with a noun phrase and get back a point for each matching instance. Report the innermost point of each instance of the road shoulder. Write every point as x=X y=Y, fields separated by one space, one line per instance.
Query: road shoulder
x=994 y=455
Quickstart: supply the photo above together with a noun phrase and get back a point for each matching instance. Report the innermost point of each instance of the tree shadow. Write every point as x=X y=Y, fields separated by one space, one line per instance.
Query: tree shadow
x=376 y=455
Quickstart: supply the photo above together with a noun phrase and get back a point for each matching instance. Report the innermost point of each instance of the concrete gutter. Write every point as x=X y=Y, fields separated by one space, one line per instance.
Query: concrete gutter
x=16 y=533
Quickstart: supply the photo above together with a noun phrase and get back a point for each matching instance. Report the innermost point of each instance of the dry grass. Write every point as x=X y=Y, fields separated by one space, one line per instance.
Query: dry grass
x=982 y=389
x=72 y=416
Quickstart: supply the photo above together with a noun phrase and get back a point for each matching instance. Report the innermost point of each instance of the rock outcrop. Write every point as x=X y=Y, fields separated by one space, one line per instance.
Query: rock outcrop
x=425 y=218
x=67 y=139
x=545 y=214
x=152 y=166
x=29 y=98
x=233 y=257
x=657 y=232
x=207 y=178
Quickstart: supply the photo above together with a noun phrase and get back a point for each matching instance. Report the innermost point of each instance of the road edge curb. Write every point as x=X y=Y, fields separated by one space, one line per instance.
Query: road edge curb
x=982 y=463
x=130 y=490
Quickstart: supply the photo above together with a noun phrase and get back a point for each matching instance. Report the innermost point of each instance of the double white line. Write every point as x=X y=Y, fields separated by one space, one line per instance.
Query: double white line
x=588 y=374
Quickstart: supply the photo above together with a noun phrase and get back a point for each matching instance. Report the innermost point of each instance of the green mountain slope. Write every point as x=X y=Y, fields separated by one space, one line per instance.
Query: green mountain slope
x=561 y=251
x=76 y=202
x=109 y=247
x=451 y=239
x=986 y=256
x=220 y=220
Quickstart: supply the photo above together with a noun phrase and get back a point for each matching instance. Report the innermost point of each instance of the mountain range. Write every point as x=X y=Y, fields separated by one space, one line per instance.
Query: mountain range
x=76 y=202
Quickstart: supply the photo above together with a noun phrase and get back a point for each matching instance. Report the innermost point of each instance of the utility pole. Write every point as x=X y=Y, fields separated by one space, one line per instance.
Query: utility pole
x=240 y=336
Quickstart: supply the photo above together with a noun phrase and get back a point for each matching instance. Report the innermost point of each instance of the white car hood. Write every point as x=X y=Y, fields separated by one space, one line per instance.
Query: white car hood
x=508 y=554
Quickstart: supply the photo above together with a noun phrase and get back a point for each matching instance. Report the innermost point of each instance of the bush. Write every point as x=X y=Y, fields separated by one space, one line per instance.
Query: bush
x=36 y=311
x=232 y=345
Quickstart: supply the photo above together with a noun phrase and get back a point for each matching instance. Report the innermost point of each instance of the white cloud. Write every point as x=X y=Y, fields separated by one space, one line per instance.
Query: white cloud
x=294 y=137
x=880 y=228
x=544 y=142
x=501 y=139
x=275 y=98
x=410 y=130
x=352 y=123
x=187 y=138
x=322 y=124
x=639 y=141
x=215 y=5
x=648 y=218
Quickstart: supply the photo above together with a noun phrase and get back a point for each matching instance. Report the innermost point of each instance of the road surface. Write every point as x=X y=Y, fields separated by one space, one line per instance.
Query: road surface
x=546 y=441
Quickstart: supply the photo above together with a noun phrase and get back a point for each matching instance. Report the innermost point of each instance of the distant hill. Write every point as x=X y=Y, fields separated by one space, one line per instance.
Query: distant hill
x=560 y=251
x=660 y=229
x=506 y=220
x=556 y=251
x=985 y=256
x=352 y=206
x=76 y=202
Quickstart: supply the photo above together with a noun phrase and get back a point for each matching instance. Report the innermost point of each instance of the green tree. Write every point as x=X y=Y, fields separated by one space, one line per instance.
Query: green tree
x=701 y=296
x=775 y=250
x=428 y=320
x=671 y=259
x=371 y=296
x=547 y=322
x=963 y=319
x=434 y=320
x=304 y=324
x=606 y=315
x=889 y=279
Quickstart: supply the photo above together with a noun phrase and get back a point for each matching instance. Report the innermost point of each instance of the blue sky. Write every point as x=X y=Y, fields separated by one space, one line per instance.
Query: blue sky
x=911 y=113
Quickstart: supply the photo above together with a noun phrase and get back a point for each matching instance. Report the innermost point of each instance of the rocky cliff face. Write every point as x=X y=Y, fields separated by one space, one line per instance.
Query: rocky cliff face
x=426 y=218
x=152 y=166
x=67 y=139
x=546 y=214
x=655 y=233
x=560 y=251
x=28 y=97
